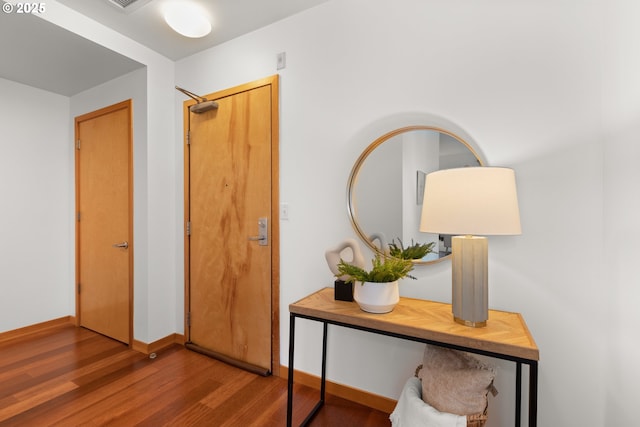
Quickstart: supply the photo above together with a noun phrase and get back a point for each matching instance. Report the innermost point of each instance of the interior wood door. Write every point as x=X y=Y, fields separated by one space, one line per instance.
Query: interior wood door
x=231 y=186
x=104 y=248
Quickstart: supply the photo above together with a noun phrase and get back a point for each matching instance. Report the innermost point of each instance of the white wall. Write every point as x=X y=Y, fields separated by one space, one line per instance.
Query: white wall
x=523 y=80
x=621 y=94
x=35 y=209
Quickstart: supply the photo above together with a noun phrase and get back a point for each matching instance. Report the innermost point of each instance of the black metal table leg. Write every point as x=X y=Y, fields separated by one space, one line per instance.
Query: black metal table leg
x=323 y=380
x=533 y=393
x=518 y=394
x=292 y=327
x=324 y=363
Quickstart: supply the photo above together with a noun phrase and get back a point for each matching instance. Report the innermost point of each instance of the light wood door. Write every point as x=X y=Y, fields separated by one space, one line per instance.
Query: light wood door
x=103 y=230
x=232 y=279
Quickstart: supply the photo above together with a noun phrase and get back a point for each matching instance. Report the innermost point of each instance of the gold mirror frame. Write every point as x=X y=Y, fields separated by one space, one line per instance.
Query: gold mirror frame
x=353 y=178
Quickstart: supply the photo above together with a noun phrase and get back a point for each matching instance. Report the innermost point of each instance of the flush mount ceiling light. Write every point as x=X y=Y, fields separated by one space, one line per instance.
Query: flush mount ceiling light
x=187 y=19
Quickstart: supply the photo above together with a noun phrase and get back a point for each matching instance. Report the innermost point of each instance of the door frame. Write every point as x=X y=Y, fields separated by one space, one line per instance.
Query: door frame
x=128 y=105
x=271 y=81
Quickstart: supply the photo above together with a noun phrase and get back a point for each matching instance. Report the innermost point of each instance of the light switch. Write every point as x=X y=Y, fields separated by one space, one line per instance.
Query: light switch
x=284 y=211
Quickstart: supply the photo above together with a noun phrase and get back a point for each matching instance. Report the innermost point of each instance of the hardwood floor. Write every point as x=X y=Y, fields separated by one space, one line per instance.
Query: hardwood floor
x=68 y=376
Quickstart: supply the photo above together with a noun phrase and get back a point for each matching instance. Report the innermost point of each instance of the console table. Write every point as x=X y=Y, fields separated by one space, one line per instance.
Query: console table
x=506 y=336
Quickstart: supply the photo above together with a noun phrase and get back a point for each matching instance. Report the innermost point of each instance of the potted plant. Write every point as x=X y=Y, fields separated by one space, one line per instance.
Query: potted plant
x=415 y=251
x=376 y=290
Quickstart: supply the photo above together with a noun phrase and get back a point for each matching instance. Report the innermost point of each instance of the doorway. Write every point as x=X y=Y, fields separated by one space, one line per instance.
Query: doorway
x=104 y=233
x=232 y=227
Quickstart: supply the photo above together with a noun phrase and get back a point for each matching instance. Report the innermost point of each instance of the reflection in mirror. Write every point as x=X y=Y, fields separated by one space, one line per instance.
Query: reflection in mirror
x=386 y=187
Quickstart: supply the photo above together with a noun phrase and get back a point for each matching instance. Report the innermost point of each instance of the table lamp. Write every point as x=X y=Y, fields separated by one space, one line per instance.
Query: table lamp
x=470 y=203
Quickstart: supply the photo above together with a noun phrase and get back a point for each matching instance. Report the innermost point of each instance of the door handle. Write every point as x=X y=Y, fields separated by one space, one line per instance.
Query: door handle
x=263 y=234
x=123 y=245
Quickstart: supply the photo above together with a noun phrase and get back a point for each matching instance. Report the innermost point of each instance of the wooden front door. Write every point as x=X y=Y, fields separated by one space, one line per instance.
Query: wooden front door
x=104 y=252
x=231 y=190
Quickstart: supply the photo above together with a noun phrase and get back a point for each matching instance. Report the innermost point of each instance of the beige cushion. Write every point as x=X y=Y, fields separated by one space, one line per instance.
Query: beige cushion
x=454 y=381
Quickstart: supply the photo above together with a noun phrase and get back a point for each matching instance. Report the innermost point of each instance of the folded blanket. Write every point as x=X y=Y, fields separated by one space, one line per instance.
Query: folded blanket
x=412 y=411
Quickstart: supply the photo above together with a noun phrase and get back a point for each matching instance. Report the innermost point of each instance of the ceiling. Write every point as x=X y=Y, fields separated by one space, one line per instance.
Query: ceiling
x=40 y=54
x=229 y=19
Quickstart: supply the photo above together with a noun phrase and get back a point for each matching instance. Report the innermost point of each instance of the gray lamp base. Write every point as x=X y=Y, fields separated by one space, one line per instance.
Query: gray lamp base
x=470 y=290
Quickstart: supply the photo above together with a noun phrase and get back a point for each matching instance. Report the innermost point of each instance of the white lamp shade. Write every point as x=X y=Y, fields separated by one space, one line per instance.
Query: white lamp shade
x=472 y=200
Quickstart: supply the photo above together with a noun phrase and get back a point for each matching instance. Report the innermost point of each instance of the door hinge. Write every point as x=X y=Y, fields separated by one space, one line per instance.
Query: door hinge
x=189 y=319
x=78 y=216
x=78 y=287
x=188 y=137
x=77 y=144
x=188 y=228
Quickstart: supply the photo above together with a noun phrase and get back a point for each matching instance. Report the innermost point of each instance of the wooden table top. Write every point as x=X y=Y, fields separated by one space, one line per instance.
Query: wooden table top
x=506 y=333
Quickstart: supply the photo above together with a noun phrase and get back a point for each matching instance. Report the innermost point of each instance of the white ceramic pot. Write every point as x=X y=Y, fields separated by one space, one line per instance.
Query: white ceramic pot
x=376 y=297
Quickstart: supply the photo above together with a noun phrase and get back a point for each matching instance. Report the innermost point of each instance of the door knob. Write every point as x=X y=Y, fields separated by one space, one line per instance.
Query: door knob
x=123 y=245
x=263 y=235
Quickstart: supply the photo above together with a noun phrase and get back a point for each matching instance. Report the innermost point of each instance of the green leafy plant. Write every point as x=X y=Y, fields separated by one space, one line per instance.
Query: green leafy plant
x=385 y=269
x=415 y=251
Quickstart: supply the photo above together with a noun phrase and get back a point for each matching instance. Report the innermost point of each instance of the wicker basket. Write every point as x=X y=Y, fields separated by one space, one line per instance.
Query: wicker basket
x=476 y=420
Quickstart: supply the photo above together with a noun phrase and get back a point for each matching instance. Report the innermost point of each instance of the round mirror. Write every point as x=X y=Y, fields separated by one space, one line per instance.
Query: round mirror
x=386 y=187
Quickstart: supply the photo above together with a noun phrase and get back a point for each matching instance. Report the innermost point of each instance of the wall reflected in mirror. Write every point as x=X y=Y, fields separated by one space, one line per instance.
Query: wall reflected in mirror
x=385 y=188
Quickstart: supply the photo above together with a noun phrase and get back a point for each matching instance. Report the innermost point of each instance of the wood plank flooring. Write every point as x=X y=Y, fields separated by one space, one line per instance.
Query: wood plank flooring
x=68 y=376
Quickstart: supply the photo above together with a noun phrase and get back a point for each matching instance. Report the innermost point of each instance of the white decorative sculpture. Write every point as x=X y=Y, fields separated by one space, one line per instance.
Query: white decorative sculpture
x=382 y=245
x=333 y=256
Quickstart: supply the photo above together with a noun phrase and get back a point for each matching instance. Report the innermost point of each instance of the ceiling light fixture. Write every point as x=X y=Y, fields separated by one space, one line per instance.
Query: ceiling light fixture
x=187 y=19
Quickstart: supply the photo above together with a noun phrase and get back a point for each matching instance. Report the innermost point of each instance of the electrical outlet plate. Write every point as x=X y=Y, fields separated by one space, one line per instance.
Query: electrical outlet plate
x=281 y=60
x=284 y=211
